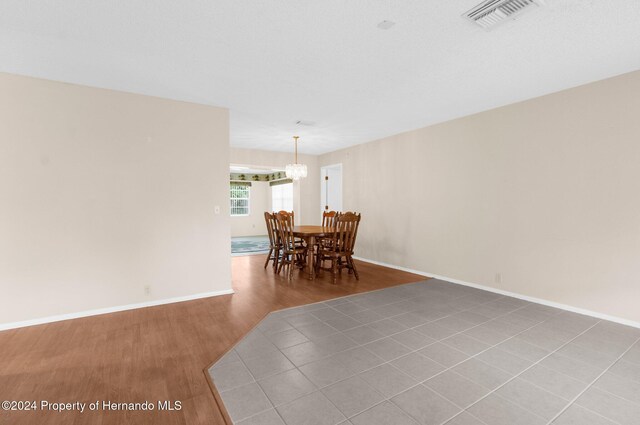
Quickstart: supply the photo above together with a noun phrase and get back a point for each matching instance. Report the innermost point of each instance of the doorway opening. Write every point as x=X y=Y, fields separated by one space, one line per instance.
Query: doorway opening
x=331 y=188
x=252 y=191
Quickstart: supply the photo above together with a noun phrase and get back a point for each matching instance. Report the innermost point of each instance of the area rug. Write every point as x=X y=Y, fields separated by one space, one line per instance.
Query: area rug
x=250 y=245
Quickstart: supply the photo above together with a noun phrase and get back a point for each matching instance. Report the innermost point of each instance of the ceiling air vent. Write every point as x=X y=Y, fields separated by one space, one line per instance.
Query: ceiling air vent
x=490 y=13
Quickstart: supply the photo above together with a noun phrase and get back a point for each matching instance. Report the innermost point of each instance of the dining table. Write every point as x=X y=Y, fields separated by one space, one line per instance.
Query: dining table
x=309 y=234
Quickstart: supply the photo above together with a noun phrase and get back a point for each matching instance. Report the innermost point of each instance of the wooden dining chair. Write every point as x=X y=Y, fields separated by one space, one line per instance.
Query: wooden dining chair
x=291 y=213
x=274 y=240
x=293 y=255
x=299 y=242
x=329 y=219
x=340 y=250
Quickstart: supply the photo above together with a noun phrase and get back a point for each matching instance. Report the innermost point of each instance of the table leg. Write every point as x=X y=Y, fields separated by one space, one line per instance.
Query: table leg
x=311 y=242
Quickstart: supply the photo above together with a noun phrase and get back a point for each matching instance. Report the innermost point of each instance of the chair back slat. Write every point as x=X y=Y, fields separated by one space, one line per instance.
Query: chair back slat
x=344 y=238
x=270 y=221
x=329 y=219
x=284 y=224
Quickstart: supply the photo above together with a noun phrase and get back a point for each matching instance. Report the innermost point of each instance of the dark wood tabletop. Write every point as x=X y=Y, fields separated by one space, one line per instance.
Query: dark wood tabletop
x=307 y=231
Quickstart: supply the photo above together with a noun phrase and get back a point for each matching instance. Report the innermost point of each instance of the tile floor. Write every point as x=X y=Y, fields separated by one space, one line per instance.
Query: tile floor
x=432 y=353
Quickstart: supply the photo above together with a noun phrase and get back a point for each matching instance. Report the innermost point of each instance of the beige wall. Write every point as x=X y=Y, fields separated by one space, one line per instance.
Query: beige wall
x=306 y=192
x=259 y=202
x=544 y=192
x=103 y=193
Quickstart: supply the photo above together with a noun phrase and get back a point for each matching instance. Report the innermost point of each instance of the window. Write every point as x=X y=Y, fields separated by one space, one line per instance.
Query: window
x=282 y=197
x=240 y=198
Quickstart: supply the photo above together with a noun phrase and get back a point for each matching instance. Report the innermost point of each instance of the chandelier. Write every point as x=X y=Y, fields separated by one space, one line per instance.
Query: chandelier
x=296 y=171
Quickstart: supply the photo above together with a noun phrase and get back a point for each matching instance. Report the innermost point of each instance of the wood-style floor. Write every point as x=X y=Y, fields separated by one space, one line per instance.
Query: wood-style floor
x=156 y=353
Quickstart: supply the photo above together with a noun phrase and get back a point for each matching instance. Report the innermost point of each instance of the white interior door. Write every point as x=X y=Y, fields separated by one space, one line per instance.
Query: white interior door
x=331 y=188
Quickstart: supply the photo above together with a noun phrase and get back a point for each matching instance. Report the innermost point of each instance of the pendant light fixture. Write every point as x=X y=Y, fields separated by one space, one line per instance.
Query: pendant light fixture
x=296 y=171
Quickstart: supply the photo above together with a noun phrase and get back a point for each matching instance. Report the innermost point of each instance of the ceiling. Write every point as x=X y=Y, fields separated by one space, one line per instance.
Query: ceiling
x=248 y=170
x=274 y=62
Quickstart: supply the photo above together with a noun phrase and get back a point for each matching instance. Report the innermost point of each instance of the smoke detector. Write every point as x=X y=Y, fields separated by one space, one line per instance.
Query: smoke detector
x=385 y=25
x=490 y=13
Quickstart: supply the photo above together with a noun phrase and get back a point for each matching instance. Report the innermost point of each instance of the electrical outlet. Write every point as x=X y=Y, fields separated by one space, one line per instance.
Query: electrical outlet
x=216 y=209
x=147 y=289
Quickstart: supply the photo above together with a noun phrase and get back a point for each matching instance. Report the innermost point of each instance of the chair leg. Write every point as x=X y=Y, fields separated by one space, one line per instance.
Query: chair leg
x=353 y=266
x=276 y=258
x=268 y=257
x=334 y=272
x=291 y=266
x=281 y=264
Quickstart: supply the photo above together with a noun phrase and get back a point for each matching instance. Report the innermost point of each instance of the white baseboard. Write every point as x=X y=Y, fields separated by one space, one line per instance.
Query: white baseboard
x=510 y=294
x=58 y=318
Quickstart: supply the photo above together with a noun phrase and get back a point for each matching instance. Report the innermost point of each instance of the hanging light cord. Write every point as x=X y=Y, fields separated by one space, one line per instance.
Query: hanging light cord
x=296 y=148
